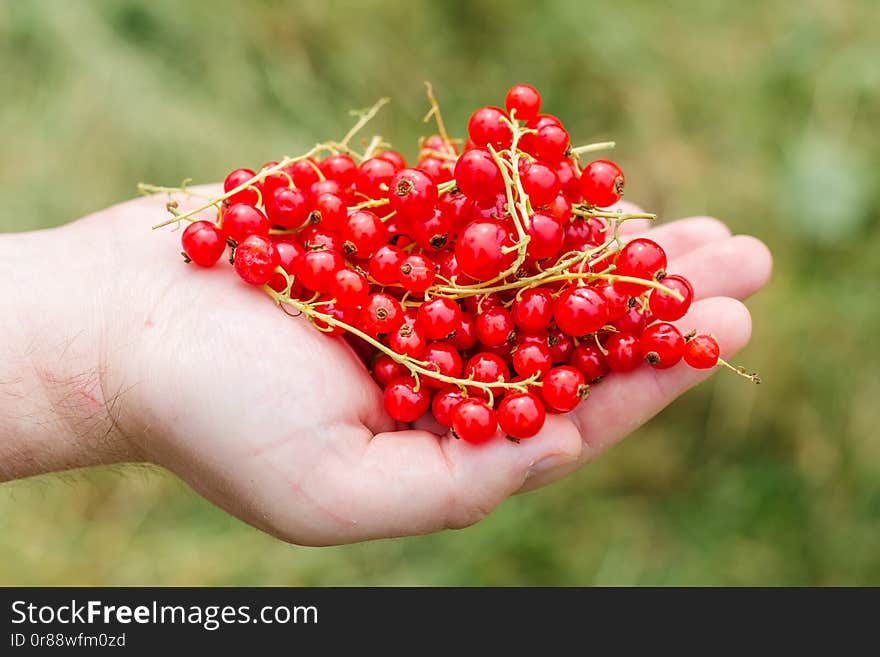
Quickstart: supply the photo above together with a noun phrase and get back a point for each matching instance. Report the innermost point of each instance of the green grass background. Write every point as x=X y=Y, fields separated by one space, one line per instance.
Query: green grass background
x=764 y=113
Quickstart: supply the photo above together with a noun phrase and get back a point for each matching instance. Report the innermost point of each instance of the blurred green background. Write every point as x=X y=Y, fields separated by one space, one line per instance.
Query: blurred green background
x=764 y=113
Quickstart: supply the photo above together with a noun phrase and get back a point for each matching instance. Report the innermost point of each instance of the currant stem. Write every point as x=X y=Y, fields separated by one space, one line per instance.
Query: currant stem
x=741 y=371
x=590 y=148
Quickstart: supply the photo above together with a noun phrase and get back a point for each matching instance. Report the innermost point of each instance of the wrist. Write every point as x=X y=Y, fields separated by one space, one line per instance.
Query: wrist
x=56 y=411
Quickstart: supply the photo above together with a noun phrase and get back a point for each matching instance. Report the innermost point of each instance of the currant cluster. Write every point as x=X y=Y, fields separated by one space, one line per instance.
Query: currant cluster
x=487 y=284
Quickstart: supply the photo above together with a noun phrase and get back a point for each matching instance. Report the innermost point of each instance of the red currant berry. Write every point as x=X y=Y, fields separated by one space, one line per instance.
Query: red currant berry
x=273 y=181
x=412 y=194
x=563 y=388
x=256 y=259
x=551 y=143
x=408 y=341
x=445 y=359
x=248 y=195
x=665 y=306
x=560 y=209
x=287 y=207
x=340 y=168
x=440 y=171
x=325 y=187
x=590 y=361
x=381 y=315
x=386 y=369
x=539 y=183
x=329 y=212
x=288 y=253
x=546 y=237
x=374 y=177
x=317 y=269
x=488 y=126
x=350 y=289
x=623 y=352
x=580 y=310
x=403 y=402
x=465 y=336
x=444 y=402
x=203 y=243
x=477 y=175
x=395 y=158
x=416 y=273
x=661 y=345
x=432 y=234
x=521 y=415
x=532 y=358
x=363 y=234
x=242 y=220
x=495 y=327
x=569 y=180
x=632 y=321
x=447 y=267
x=304 y=173
x=385 y=264
x=702 y=352
x=525 y=99
x=527 y=141
x=478 y=249
x=640 y=258
x=602 y=183
x=615 y=299
x=316 y=238
x=479 y=303
x=456 y=209
x=533 y=309
x=346 y=315
x=474 y=421
x=561 y=345
x=439 y=317
x=485 y=367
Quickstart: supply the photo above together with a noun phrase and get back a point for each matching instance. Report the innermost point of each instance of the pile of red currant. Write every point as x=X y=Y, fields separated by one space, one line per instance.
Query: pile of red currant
x=487 y=284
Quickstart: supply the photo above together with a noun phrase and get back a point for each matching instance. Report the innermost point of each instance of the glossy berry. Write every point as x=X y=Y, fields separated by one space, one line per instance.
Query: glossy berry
x=640 y=258
x=477 y=175
x=478 y=249
x=274 y=181
x=623 y=352
x=551 y=143
x=403 y=402
x=350 y=289
x=560 y=209
x=412 y=194
x=317 y=269
x=616 y=300
x=381 y=315
x=569 y=180
x=590 y=361
x=563 y=388
x=487 y=126
x=661 y=345
x=444 y=359
x=495 y=327
x=242 y=220
x=521 y=415
x=525 y=99
x=465 y=336
x=561 y=345
x=533 y=309
x=314 y=238
x=539 y=183
x=287 y=207
x=633 y=321
x=249 y=195
x=665 y=306
x=444 y=402
x=203 y=243
x=395 y=158
x=386 y=369
x=416 y=273
x=532 y=358
x=408 y=340
x=474 y=421
x=432 y=233
x=580 y=310
x=340 y=168
x=384 y=266
x=373 y=177
x=546 y=237
x=304 y=173
x=363 y=234
x=485 y=367
x=702 y=352
x=439 y=317
x=325 y=187
x=329 y=212
x=288 y=254
x=256 y=259
x=602 y=183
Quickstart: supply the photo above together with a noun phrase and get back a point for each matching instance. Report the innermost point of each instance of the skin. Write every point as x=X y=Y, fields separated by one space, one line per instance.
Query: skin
x=115 y=351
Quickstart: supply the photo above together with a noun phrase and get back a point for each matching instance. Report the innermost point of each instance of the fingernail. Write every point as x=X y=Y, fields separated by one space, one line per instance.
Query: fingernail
x=549 y=463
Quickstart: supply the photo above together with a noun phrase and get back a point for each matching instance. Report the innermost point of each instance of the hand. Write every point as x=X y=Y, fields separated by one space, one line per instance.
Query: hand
x=283 y=427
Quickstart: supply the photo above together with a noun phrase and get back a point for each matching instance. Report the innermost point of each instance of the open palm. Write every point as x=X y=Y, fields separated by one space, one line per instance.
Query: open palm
x=283 y=426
